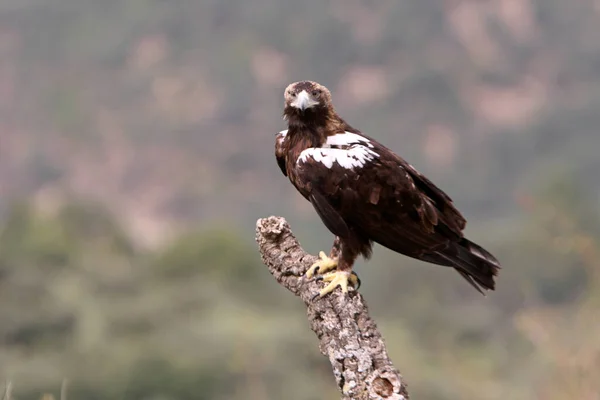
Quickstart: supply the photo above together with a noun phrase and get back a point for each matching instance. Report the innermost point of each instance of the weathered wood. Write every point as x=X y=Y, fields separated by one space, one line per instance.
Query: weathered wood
x=348 y=335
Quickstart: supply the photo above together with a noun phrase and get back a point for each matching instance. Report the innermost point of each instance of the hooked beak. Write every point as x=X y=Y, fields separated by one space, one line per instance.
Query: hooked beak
x=304 y=101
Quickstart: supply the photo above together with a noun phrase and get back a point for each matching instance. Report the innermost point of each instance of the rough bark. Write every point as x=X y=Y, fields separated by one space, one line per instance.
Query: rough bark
x=348 y=336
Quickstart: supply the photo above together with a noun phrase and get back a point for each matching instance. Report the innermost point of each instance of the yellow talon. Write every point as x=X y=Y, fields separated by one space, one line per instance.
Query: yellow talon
x=339 y=278
x=323 y=265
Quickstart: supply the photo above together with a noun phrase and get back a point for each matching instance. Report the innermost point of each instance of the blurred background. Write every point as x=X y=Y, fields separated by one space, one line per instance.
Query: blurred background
x=136 y=154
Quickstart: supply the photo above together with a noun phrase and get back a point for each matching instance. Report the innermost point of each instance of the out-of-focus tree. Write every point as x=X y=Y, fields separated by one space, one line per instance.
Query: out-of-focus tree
x=566 y=335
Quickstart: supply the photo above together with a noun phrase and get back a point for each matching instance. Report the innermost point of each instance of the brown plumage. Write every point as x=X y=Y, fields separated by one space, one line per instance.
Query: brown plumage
x=365 y=193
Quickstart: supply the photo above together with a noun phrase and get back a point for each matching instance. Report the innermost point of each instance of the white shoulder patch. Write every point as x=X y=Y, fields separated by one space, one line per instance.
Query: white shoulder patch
x=347 y=139
x=347 y=149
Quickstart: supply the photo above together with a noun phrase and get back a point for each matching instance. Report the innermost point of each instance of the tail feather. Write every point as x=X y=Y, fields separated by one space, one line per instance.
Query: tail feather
x=474 y=263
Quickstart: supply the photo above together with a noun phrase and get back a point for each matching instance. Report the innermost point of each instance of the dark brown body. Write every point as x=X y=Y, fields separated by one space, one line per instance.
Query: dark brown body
x=376 y=198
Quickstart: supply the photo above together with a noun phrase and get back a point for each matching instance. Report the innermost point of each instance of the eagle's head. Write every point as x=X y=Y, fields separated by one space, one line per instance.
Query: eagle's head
x=306 y=97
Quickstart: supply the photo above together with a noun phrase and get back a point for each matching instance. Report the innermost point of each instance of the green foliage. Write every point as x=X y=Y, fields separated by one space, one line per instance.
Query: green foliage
x=91 y=224
x=159 y=379
x=205 y=312
x=150 y=378
x=212 y=253
x=27 y=239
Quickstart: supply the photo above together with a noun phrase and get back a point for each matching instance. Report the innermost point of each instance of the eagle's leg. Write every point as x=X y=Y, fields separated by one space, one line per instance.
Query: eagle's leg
x=326 y=263
x=343 y=275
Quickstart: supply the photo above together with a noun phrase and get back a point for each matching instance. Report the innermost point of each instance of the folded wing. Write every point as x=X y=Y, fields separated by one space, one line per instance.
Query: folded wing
x=280 y=151
x=377 y=192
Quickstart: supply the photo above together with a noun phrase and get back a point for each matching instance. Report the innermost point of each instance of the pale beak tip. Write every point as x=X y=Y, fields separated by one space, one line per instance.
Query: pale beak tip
x=303 y=101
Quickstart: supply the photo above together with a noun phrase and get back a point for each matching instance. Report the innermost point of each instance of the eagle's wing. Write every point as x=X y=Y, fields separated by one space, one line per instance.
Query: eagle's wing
x=390 y=202
x=329 y=215
x=376 y=190
x=279 y=150
x=433 y=200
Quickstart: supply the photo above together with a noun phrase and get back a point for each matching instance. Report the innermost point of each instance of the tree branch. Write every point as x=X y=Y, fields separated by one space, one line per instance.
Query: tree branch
x=347 y=334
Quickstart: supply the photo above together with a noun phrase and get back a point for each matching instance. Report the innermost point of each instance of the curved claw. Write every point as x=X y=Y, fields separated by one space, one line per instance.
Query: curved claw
x=355 y=280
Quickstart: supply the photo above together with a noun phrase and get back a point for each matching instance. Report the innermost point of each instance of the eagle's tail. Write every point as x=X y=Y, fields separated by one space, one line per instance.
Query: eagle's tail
x=474 y=263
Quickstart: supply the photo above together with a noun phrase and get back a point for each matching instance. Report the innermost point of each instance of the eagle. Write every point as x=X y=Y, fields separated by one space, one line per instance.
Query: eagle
x=364 y=194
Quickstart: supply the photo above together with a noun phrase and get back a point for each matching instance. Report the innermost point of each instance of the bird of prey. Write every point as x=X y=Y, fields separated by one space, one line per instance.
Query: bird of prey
x=364 y=193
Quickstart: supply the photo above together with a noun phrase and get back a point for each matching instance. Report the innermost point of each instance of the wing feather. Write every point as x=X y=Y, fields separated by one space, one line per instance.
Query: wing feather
x=447 y=212
x=280 y=151
x=330 y=217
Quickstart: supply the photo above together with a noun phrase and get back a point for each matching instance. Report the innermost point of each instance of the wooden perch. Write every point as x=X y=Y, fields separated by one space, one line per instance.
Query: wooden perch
x=347 y=334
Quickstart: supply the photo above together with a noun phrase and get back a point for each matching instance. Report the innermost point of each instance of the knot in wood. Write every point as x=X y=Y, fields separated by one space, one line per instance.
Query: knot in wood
x=383 y=387
x=386 y=385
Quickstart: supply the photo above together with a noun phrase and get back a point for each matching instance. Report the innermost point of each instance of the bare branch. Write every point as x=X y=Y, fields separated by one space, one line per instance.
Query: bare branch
x=347 y=334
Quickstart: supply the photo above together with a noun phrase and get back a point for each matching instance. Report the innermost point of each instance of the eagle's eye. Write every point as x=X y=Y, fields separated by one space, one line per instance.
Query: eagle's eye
x=316 y=92
x=292 y=93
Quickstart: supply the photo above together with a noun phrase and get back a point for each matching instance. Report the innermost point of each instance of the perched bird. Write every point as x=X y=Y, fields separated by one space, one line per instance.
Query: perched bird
x=365 y=193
